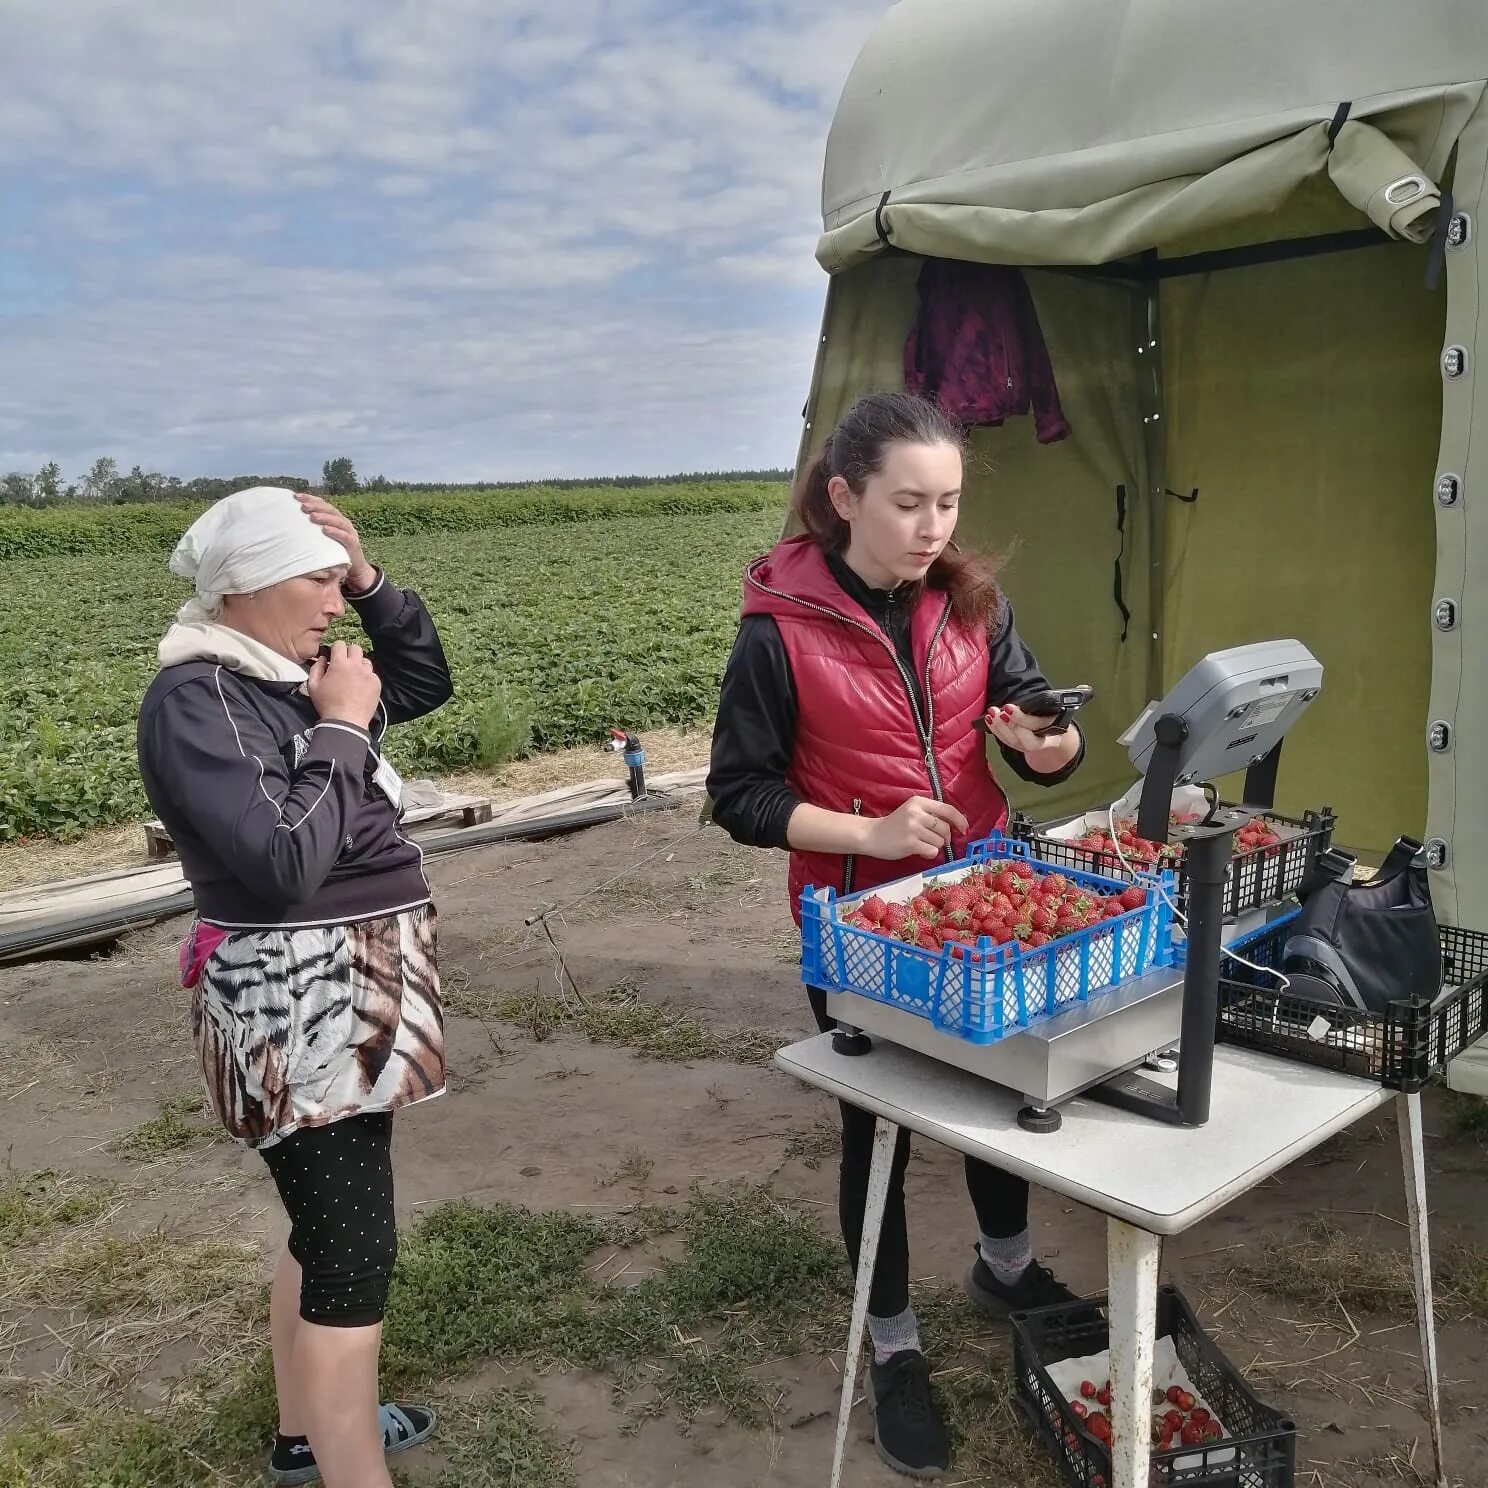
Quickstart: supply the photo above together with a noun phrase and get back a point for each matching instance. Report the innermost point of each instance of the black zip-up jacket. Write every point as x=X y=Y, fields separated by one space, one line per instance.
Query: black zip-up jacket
x=273 y=811
x=754 y=736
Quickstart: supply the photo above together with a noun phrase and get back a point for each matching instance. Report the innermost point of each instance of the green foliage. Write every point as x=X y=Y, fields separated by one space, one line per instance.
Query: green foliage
x=338 y=476
x=558 y=623
x=155 y=527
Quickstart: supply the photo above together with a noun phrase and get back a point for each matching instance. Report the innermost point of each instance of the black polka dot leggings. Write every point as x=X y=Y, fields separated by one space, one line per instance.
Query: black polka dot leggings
x=336 y=1182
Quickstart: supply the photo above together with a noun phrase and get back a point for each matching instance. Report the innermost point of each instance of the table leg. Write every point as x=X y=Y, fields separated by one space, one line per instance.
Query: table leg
x=1132 y=1258
x=1413 y=1164
x=885 y=1135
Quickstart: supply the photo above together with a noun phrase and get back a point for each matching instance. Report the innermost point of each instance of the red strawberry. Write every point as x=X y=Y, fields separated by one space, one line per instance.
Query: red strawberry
x=873 y=910
x=1212 y=1431
x=1134 y=898
x=1042 y=919
x=1185 y=1401
x=1174 y=1391
x=1200 y=1415
x=1080 y=1408
x=957 y=919
x=1191 y=1435
x=1173 y=1420
x=956 y=897
x=1023 y=871
x=922 y=906
x=1037 y=939
x=1103 y=1395
x=1087 y=1389
x=1058 y=882
x=935 y=898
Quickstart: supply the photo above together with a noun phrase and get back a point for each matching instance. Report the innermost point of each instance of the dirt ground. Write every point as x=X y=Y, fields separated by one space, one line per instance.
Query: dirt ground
x=560 y=1102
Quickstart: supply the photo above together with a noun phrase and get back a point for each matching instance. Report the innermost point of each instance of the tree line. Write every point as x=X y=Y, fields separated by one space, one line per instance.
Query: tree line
x=104 y=485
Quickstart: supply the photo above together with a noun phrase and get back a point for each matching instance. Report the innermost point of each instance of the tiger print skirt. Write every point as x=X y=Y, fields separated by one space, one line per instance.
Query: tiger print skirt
x=299 y=1028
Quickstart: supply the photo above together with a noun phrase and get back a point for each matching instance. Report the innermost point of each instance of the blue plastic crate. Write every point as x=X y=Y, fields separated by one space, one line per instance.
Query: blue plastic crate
x=989 y=991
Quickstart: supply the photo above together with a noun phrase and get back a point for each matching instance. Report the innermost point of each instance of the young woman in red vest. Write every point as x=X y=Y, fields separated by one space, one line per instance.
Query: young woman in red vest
x=868 y=649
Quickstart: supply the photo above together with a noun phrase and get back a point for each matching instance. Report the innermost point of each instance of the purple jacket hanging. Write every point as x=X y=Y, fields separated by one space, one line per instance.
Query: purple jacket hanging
x=977 y=350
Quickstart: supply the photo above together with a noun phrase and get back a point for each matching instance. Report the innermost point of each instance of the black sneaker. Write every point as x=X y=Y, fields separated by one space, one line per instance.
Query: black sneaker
x=1036 y=1287
x=907 y=1429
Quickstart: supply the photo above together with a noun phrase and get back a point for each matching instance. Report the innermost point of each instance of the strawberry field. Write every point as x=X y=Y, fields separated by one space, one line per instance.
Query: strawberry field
x=559 y=617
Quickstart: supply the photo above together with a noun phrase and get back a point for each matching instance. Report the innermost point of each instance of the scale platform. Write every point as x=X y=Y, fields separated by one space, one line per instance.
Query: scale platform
x=1061 y=1056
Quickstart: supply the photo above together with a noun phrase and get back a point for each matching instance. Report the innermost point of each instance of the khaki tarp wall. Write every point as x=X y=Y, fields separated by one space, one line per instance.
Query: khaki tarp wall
x=1303 y=401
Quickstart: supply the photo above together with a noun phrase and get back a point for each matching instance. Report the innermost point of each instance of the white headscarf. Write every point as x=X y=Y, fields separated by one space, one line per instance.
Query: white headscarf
x=239 y=545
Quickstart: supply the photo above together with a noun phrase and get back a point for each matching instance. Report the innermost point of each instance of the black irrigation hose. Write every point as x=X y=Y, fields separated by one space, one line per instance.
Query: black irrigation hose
x=37 y=942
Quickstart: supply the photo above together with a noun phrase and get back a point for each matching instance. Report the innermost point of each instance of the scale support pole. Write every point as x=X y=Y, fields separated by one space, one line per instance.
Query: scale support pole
x=1207 y=863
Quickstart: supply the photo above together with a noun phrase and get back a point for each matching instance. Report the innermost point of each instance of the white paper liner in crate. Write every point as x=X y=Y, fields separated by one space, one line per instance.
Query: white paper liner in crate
x=1187 y=800
x=1167 y=1370
x=1040 y=973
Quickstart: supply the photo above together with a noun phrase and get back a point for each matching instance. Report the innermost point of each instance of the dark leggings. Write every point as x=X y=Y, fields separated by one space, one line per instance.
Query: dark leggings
x=1000 y=1199
x=336 y=1182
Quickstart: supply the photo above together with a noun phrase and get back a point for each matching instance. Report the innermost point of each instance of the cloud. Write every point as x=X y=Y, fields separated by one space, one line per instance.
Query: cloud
x=453 y=240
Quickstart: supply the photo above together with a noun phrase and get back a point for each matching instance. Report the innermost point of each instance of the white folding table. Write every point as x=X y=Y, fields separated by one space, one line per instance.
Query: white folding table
x=1149 y=1179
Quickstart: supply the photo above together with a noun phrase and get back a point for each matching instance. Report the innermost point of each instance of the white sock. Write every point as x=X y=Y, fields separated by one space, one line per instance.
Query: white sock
x=1008 y=1258
x=893 y=1335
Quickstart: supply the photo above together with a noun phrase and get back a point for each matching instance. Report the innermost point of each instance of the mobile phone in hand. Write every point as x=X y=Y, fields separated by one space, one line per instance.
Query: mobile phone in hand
x=1058 y=704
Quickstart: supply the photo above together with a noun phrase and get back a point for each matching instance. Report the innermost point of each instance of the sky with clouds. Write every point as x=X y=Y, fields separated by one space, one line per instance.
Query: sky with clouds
x=454 y=239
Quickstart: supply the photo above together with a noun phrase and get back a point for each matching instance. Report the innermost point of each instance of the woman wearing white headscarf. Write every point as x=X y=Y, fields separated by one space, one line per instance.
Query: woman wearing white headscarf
x=316 y=1005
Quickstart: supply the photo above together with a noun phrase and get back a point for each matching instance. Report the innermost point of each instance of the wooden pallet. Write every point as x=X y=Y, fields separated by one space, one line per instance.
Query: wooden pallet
x=464 y=811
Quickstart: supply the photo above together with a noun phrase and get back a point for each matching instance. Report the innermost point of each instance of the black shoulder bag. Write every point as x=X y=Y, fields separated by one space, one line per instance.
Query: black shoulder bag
x=1365 y=945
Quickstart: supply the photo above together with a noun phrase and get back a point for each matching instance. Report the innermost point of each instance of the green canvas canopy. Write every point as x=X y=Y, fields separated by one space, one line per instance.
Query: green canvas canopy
x=1227 y=216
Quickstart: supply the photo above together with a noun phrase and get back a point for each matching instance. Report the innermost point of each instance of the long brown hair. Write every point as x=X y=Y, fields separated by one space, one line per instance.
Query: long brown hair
x=856 y=450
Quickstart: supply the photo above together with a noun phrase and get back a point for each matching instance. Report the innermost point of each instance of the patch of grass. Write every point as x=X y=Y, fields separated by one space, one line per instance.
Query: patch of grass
x=125 y=1300
x=755 y=1281
x=121 y=1276
x=735 y=879
x=57 y=1444
x=1470 y=1114
x=810 y=1146
x=500 y=1441
x=702 y=1376
x=35 y=1205
x=179 y=1125
x=622 y=1016
x=636 y=1170
x=473 y=1282
x=759 y=1278
x=785 y=948
x=1322 y=1265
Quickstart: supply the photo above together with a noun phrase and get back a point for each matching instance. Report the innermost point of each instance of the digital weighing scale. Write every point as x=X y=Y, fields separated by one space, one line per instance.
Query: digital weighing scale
x=1229 y=713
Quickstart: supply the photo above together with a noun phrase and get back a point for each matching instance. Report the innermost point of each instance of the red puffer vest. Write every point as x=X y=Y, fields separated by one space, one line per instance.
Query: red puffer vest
x=859 y=747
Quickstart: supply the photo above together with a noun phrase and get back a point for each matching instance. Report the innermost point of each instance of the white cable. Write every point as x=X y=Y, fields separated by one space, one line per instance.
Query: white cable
x=1178 y=914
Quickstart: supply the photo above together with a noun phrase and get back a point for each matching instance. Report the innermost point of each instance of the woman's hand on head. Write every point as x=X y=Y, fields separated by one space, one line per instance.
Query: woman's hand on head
x=360 y=575
x=920 y=828
x=344 y=687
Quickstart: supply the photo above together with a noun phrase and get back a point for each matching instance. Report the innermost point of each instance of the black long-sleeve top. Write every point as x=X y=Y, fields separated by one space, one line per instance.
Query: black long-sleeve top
x=275 y=812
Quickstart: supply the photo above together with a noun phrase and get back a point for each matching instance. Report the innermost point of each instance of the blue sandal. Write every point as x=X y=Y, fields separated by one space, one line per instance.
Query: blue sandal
x=403 y=1426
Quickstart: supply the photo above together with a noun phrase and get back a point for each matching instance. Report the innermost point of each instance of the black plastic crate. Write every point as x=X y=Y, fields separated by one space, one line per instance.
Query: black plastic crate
x=1260 y=1445
x=1265 y=876
x=1402 y=1048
